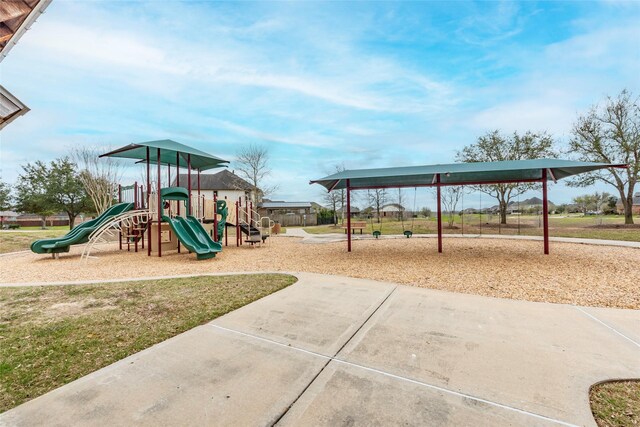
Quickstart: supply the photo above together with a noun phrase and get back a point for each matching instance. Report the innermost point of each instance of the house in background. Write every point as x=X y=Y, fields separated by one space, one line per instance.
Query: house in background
x=225 y=185
x=393 y=210
x=636 y=205
x=289 y=213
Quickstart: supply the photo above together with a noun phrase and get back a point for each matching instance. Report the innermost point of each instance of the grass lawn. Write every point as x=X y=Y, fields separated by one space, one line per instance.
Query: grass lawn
x=51 y=335
x=590 y=227
x=54 y=227
x=13 y=241
x=616 y=403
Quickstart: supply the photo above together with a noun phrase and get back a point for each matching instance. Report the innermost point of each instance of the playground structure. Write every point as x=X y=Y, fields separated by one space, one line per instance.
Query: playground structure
x=166 y=219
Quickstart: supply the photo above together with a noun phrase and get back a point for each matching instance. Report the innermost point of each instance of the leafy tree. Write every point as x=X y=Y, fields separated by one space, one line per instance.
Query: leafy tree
x=32 y=191
x=5 y=199
x=425 y=212
x=5 y=196
x=609 y=205
x=587 y=202
x=610 y=134
x=45 y=190
x=253 y=164
x=494 y=146
x=66 y=190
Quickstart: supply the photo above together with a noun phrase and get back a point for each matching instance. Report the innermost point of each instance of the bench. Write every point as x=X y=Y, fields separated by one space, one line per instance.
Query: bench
x=355 y=225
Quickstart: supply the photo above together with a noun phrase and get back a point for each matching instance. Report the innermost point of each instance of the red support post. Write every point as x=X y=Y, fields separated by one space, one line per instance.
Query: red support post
x=215 y=216
x=158 y=187
x=545 y=212
x=149 y=203
x=178 y=185
x=135 y=196
x=136 y=207
x=120 y=201
x=226 y=233
x=189 y=183
x=439 y=213
x=348 y=215
x=238 y=239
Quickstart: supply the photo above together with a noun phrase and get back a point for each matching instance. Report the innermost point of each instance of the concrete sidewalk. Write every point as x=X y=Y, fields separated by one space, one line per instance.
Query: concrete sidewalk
x=339 y=351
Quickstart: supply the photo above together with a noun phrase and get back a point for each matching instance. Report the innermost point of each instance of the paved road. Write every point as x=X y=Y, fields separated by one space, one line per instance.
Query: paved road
x=339 y=351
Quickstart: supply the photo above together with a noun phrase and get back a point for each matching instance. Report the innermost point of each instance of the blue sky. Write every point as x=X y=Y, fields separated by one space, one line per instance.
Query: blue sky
x=364 y=84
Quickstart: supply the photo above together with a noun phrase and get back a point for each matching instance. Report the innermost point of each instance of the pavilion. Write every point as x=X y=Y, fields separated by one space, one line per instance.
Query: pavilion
x=479 y=173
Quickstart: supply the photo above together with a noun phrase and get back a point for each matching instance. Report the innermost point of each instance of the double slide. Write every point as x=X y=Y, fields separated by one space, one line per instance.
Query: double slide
x=193 y=236
x=79 y=234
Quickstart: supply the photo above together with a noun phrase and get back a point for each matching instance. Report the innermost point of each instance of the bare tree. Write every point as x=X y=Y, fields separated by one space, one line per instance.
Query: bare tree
x=377 y=199
x=252 y=162
x=611 y=135
x=333 y=199
x=493 y=146
x=400 y=200
x=450 y=197
x=99 y=176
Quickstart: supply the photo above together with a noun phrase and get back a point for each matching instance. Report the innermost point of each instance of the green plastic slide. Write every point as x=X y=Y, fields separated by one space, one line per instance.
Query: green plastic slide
x=194 y=237
x=80 y=233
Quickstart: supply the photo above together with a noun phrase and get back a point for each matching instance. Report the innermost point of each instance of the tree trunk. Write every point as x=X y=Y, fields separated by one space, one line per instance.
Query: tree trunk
x=44 y=222
x=503 y=212
x=72 y=220
x=628 y=210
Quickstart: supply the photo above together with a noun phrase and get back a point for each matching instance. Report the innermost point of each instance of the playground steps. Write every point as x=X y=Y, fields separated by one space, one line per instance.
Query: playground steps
x=253 y=234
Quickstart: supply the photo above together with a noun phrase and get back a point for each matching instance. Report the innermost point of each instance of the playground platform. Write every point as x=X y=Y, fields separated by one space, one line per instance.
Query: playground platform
x=333 y=350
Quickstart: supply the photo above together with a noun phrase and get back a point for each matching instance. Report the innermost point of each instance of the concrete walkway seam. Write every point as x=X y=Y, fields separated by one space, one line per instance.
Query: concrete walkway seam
x=386 y=297
x=607 y=326
x=390 y=375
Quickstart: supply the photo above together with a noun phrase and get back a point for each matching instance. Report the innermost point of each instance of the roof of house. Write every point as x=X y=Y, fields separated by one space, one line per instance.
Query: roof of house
x=16 y=17
x=285 y=205
x=636 y=200
x=223 y=180
x=392 y=207
x=10 y=107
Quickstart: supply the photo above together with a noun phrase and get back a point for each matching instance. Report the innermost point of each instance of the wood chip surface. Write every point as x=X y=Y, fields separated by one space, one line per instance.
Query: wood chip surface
x=573 y=273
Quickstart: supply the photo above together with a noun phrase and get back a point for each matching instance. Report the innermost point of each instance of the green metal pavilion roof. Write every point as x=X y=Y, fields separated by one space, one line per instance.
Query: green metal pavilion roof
x=171 y=152
x=459 y=174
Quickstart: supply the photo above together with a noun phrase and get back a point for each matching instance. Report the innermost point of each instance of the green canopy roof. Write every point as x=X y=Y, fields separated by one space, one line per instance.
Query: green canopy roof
x=171 y=153
x=459 y=173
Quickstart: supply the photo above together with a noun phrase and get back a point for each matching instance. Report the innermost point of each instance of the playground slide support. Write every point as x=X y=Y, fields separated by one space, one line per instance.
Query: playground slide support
x=348 y=215
x=439 y=213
